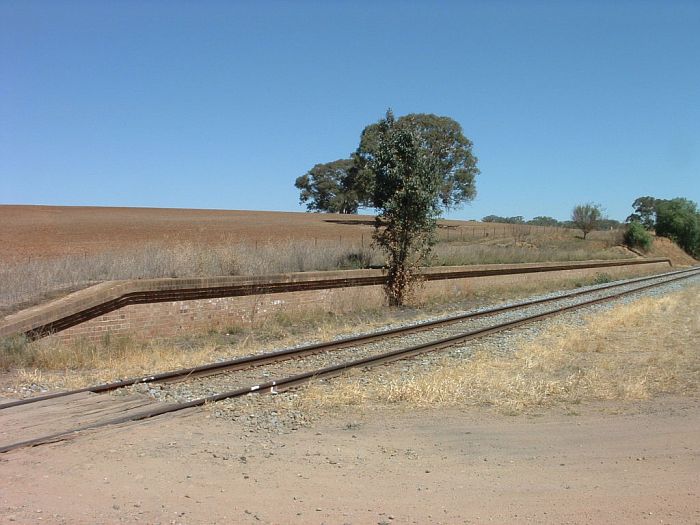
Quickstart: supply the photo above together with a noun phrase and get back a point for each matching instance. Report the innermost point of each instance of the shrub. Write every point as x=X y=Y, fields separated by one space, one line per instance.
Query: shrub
x=602 y=278
x=637 y=236
x=679 y=220
x=354 y=260
x=15 y=351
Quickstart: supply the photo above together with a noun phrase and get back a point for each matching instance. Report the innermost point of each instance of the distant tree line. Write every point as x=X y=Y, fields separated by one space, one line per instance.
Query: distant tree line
x=600 y=223
x=677 y=219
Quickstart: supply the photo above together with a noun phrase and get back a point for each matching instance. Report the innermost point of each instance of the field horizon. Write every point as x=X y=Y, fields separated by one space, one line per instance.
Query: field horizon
x=51 y=249
x=45 y=231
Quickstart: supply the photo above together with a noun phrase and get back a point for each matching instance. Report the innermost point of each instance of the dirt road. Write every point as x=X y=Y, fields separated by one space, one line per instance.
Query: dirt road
x=607 y=463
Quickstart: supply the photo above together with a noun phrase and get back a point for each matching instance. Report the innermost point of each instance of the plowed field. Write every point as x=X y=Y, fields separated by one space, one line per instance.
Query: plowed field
x=50 y=231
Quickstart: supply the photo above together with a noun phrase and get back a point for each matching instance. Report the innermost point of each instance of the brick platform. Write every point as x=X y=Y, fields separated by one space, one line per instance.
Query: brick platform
x=181 y=317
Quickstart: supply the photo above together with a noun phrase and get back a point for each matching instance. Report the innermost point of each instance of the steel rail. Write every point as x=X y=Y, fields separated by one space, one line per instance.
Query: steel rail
x=302 y=351
x=278 y=385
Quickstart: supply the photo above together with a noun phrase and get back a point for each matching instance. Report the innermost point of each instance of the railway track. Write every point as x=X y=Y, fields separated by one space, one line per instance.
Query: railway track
x=296 y=366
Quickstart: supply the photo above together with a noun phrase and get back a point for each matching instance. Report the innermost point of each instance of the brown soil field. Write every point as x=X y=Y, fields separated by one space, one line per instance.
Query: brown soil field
x=28 y=232
x=53 y=231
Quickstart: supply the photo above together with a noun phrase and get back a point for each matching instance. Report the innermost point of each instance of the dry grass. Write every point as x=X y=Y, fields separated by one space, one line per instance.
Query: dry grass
x=633 y=352
x=53 y=364
x=56 y=364
x=26 y=283
x=512 y=252
x=49 y=250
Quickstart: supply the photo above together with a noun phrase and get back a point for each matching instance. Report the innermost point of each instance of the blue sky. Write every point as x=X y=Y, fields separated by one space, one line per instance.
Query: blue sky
x=223 y=104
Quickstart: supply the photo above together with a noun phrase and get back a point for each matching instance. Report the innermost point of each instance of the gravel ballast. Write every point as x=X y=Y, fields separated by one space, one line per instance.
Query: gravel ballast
x=272 y=414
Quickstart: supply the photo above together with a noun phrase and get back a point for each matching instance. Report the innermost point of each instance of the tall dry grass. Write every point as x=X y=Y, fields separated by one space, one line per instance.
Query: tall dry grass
x=632 y=352
x=56 y=364
x=27 y=281
x=512 y=253
x=479 y=231
x=52 y=363
x=24 y=283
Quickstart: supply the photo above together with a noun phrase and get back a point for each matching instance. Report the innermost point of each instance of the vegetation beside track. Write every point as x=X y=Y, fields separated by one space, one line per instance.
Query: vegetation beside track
x=51 y=364
x=632 y=352
x=28 y=282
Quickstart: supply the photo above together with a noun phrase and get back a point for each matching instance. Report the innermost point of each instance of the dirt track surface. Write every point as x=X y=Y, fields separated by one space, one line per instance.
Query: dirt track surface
x=597 y=466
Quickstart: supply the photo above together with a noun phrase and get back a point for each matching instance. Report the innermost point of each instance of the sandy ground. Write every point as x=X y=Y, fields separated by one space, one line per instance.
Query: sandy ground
x=604 y=463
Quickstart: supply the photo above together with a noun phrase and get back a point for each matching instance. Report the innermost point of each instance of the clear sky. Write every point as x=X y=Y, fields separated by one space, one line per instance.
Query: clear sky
x=205 y=104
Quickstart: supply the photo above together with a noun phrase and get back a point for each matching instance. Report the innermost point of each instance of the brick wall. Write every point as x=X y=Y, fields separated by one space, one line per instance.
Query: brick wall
x=174 y=318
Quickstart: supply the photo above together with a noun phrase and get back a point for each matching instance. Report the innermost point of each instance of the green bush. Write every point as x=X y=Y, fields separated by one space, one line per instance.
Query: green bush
x=602 y=278
x=636 y=236
x=679 y=220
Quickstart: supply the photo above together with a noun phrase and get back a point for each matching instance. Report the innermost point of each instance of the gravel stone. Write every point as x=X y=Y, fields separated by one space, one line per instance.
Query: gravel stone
x=270 y=415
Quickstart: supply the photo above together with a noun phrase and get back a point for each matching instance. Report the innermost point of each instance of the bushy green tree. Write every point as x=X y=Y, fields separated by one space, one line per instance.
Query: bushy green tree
x=330 y=187
x=439 y=138
x=586 y=216
x=442 y=141
x=637 y=237
x=644 y=212
x=678 y=219
x=406 y=194
x=518 y=219
x=543 y=220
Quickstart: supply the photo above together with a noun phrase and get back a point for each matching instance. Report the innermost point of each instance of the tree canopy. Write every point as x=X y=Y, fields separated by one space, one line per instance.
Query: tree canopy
x=352 y=181
x=679 y=220
x=544 y=220
x=406 y=194
x=330 y=187
x=518 y=219
x=586 y=216
x=644 y=212
x=441 y=140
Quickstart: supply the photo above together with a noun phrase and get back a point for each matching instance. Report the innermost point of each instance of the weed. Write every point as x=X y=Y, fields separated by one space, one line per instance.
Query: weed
x=234 y=330
x=355 y=260
x=602 y=278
